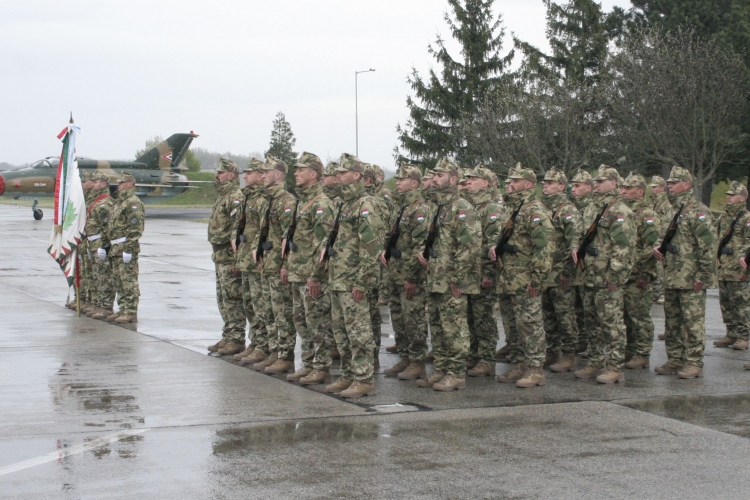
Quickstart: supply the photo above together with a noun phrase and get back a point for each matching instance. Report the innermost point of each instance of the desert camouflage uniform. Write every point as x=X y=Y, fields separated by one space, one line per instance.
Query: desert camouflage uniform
x=96 y=235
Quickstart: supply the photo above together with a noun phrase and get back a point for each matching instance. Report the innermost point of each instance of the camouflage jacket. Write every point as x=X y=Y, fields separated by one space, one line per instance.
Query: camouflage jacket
x=415 y=224
x=581 y=202
x=385 y=194
x=729 y=263
x=491 y=216
x=126 y=223
x=280 y=216
x=381 y=204
x=252 y=198
x=355 y=263
x=222 y=224
x=457 y=244
x=98 y=219
x=647 y=228
x=694 y=243
x=568 y=225
x=530 y=257
x=660 y=204
x=614 y=242
x=315 y=215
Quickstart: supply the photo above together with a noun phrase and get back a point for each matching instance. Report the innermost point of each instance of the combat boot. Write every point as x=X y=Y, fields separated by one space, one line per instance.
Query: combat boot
x=450 y=383
x=112 y=317
x=503 y=351
x=690 y=371
x=127 y=318
x=341 y=384
x=740 y=345
x=244 y=354
x=637 y=362
x=725 y=342
x=256 y=357
x=261 y=367
x=335 y=354
x=565 y=364
x=611 y=377
x=296 y=376
x=232 y=348
x=316 y=377
x=746 y=366
x=482 y=370
x=661 y=336
x=413 y=371
x=86 y=307
x=513 y=375
x=217 y=346
x=471 y=363
x=582 y=347
x=103 y=314
x=392 y=349
x=429 y=357
x=357 y=390
x=667 y=369
x=92 y=311
x=433 y=379
x=588 y=372
x=394 y=370
x=71 y=305
x=376 y=362
x=533 y=377
x=551 y=359
x=584 y=354
x=280 y=366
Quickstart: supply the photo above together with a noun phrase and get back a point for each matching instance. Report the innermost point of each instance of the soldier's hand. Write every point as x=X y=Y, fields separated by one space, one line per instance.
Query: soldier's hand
x=422 y=260
x=255 y=256
x=493 y=254
x=283 y=247
x=234 y=246
x=235 y=271
x=743 y=263
x=410 y=289
x=313 y=288
x=487 y=282
x=611 y=287
x=126 y=257
x=322 y=255
x=533 y=292
x=564 y=282
x=641 y=283
x=574 y=253
x=382 y=259
x=102 y=253
x=358 y=295
x=284 y=276
x=658 y=254
x=697 y=286
x=456 y=291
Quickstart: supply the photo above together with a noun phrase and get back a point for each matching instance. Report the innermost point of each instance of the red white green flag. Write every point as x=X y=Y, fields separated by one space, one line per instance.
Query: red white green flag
x=70 y=207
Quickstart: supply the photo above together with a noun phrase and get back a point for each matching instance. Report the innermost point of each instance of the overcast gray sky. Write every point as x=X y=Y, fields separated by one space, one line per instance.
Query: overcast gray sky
x=136 y=68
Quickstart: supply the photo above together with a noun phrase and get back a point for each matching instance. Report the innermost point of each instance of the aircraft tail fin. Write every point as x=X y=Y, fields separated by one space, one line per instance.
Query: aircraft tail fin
x=168 y=154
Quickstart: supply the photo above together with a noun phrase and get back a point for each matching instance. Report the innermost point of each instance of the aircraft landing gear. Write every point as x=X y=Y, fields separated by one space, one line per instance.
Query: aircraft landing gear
x=38 y=214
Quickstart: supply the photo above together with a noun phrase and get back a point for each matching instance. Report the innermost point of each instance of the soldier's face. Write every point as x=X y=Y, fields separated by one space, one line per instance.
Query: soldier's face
x=304 y=176
x=125 y=185
x=580 y=189
x=604 y=186
x=328 y=180
x=86 y=185
x=348 y=177
x=406 y=184
x=224 y=176
x=552 y=187
x=271 y=177
x=99 y=184
x=253 y=178
x=520 y=185
x=678 y=187
x=658 y=189
x=443 y=180
x=632 y=192
x=508 y=188
x=369 y=181
x=733 y=199
x=477 y=183
x=427 y=183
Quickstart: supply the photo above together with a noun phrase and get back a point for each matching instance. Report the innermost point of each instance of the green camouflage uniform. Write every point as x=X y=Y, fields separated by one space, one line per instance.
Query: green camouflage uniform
x=734 y=287
x=383 y=209
x=614 y=244
x=88 y=285
x=221 y=226
x=124 y=231
x=664 y=211
x=581 y=202
x=96 y=231
x=387 y=196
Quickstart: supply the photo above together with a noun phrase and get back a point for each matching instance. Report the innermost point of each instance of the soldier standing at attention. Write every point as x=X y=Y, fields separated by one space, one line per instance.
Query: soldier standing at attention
x=637 y=300
x=664 y=210
x=734 y=287
x=370 y=179
x=353 y=270
x=329 y=183
x=525 y=265
x=689 y=269
x=279 y=204
x=124 y=231
x=221 y=226
x=606 y=270
x=581 y=194
x=385 y=194
x=307 y=277
x=559 y=293
x=88 y=290
x=506 y=314
x=408 y=296
x=449 y=271
x=99 y=212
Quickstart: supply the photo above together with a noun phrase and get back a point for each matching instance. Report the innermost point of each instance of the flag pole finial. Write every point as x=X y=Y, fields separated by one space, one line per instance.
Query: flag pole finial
x=71 y=117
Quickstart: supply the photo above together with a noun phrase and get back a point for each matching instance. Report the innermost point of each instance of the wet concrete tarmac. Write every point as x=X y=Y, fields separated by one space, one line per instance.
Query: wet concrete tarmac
x=91 y=410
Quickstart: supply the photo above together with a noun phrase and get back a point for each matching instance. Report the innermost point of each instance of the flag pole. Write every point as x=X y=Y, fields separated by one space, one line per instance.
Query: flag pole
x=78 y=286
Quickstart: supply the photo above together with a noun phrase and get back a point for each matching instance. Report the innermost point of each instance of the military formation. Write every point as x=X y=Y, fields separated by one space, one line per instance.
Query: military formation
x=573 y=268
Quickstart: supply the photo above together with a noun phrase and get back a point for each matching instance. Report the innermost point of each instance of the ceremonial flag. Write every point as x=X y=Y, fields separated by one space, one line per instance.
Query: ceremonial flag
x=70 y=207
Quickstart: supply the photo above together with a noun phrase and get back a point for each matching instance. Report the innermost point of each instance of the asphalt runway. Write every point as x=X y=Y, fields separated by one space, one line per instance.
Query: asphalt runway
x=93 y=410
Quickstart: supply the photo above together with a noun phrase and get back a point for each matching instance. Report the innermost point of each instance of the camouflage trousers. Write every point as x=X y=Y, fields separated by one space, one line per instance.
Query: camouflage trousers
x=583 y=326
x=450 y=333
x=384 y=290
x=281 y=335
x=312 y=319
x=656 y=287
x=353 y=335
x=229 y=300
x=560 y=319
x=509 y=328
x=409 y=322
x=528 y=343
x=262 y=313
x=639 y=328
x=607 y=338
x=376 y=319
x=105 y=285
x=252 y=318
x=87 y=276
x=126 y=284
x=734 y=299
x=483 y=332
x=685 y=326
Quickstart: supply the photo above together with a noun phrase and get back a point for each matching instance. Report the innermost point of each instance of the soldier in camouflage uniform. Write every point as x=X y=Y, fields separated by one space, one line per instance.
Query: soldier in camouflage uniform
x=689 y=269
x=483 y=330
x=307 y=276
x=99 y=212
x=581 y=194
x=503 y=354
x=559 y=292
x=329 y=184
x=353 y=270
x=279 y=204
x=88 y=289
x=452 y=267
x=664 y=210
x=734 y=287
x=384 y=193
x=370 y=179
x=408 y=295
x=525 y=263
x=637 y=299
x=606 y=270
x=124 y=231
x=221 y=228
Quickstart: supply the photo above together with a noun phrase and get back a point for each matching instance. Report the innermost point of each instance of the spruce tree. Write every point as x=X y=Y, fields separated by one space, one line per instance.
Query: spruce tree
x=282 y=146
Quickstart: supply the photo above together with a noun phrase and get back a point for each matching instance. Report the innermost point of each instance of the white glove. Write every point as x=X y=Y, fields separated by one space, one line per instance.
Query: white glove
x=126 y=257
x=102 y=253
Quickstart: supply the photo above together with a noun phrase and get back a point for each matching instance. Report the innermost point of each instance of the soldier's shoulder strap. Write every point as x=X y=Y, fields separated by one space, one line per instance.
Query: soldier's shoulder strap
x=308 y=205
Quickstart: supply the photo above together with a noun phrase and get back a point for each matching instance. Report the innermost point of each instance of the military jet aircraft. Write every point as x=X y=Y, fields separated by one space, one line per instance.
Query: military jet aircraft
x=157 y=174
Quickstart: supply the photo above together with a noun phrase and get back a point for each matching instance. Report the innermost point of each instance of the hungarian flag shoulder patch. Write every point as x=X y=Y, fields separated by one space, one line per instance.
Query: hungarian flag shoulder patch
x=649 y=220
x=493 y=217
x=462 y=215
x=365 y=212
x=319 y=211
x=569 y=217
x=620 y=218
x=420 y=218
x=537 y=219
x=287 y=210
x=701 y=216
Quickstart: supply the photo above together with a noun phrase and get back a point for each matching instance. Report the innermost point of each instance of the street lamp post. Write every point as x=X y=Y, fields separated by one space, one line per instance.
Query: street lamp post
x=356 y=110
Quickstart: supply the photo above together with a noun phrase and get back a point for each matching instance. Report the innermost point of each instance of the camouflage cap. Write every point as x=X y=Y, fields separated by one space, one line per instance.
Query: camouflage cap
x=378 y=170
x=125 y=177
x=483 y=173
x=331 y=168
x=658 y=181
x=409 y=172
x=737 y=188
x=607 y=173
x=85 y=175
x=369 y=171
x=679 y=174
x=583 y=177
x=446 y=165
x=427 y=174
x=255 y=164
x=350 y=162
x=634 y=180
x=273 y=163
x=309 y=160
x=99 y=176
x=523 y=173
x=554 y=175
x=226 y=165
